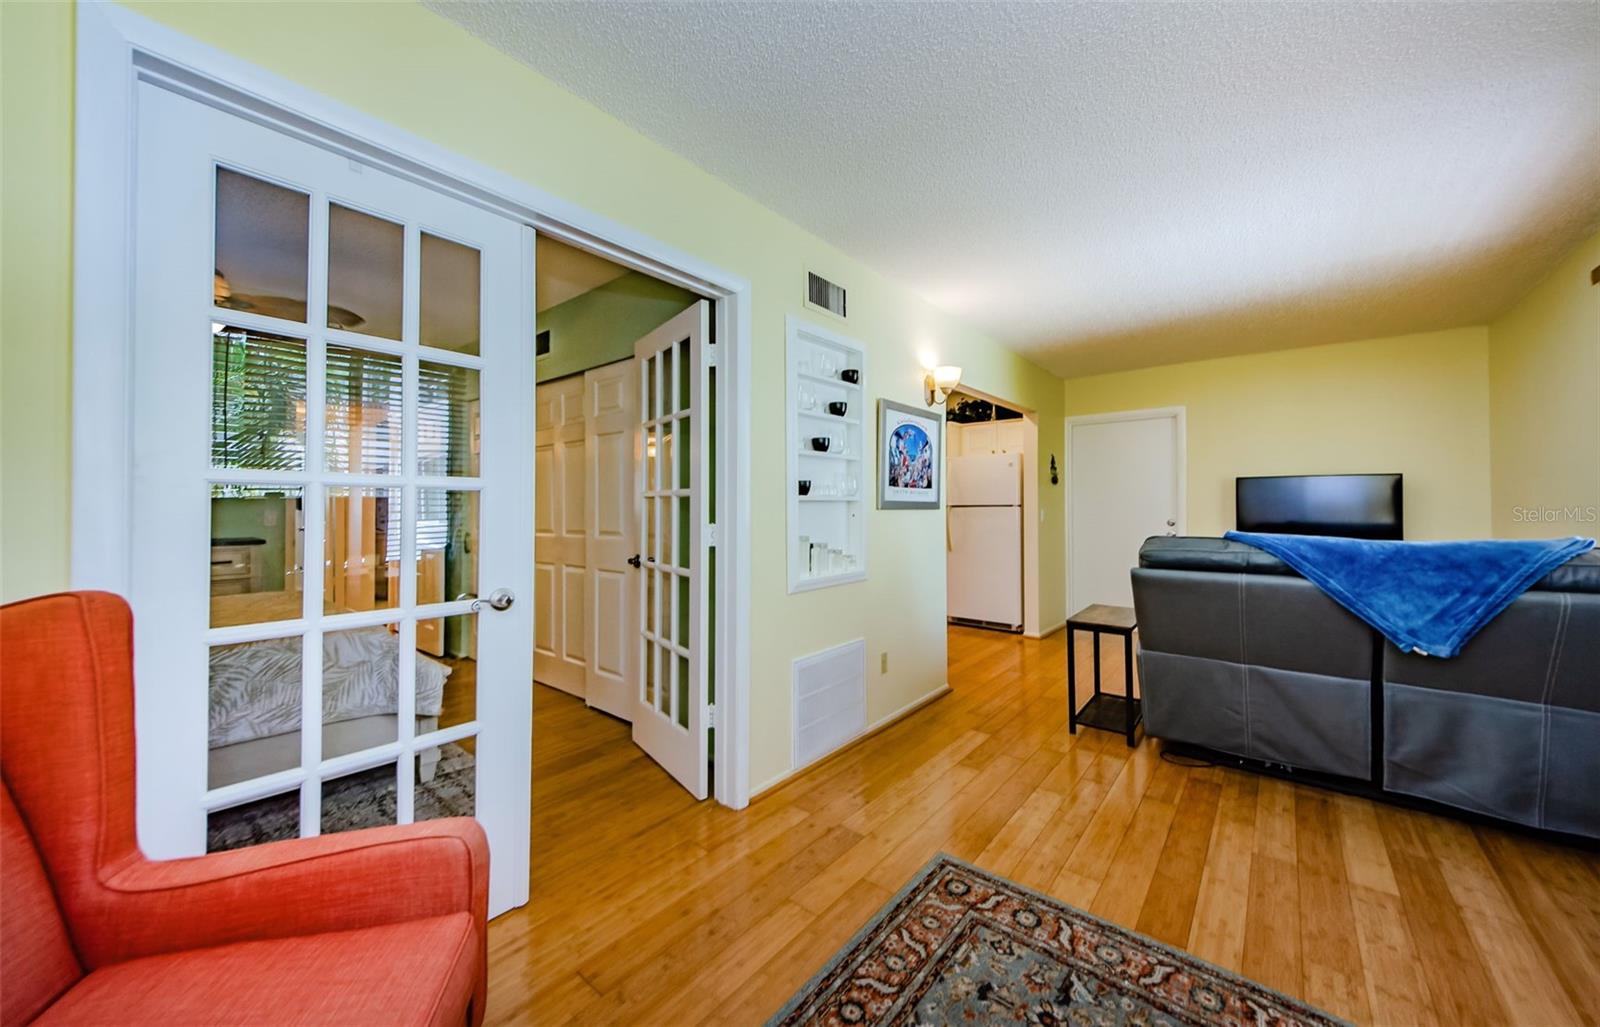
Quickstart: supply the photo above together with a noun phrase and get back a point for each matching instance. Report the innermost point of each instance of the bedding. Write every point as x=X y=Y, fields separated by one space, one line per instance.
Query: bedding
x=255 y=686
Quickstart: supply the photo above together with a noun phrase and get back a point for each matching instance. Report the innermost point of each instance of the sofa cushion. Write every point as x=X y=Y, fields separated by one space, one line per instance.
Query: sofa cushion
x=39 y=961
x=417 y=972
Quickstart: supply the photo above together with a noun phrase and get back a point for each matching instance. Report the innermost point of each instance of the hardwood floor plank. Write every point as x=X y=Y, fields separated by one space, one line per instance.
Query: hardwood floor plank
x=1169 y=906
x=1218 y=928
x=1461 y=987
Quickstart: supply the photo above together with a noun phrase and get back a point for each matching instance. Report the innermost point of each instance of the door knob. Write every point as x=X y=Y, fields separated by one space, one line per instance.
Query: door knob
x=501 y=599
x=1171 y=523
x=633 y=561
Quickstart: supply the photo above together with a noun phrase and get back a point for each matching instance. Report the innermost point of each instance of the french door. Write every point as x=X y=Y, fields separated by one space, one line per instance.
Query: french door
x=672 y=705
x=332 y=458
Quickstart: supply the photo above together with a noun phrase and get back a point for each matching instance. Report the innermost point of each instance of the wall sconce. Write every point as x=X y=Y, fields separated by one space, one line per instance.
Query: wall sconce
x=939 y=382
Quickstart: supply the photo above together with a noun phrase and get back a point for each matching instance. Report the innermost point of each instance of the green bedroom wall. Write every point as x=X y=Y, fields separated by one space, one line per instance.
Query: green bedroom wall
x=600 y=326
x=411 y=68
x=1544 y=400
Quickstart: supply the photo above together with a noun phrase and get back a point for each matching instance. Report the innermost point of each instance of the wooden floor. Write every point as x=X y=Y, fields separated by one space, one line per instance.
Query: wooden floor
x=650 y=909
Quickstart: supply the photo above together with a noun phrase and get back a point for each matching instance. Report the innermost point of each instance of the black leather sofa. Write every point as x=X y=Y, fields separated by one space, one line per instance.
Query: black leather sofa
x=1242 y=656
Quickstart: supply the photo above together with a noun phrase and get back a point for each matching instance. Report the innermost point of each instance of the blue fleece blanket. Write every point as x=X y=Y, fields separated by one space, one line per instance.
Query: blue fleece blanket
x=1425 y=597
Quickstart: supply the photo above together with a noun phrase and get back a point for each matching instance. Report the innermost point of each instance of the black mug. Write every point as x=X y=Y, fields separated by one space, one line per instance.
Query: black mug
x=805 y=486
x=820 y=443
x=851 y=375
x=838 y=407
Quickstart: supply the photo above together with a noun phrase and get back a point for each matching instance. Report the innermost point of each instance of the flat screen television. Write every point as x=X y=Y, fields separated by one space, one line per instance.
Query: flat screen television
x=1344 y=505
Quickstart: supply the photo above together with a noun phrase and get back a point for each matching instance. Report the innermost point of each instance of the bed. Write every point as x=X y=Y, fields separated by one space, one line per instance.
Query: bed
x=254 y=726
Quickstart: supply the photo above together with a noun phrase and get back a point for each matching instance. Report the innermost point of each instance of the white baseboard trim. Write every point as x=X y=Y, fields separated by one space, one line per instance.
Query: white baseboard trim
x=1047 y=632
x=903 y=712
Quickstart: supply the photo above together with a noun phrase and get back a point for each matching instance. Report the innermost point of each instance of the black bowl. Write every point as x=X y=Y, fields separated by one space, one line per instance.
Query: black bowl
x=851 y=375
x=820 y=443
x=805 y=486
x=838 y=407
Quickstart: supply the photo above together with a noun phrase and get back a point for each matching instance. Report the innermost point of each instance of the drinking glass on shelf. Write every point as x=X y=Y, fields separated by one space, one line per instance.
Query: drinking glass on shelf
x=850 y=485
x=803 y=366
x=827 y=366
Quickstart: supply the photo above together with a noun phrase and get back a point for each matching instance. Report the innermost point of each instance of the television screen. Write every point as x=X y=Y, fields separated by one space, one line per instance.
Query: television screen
x=1344 y=505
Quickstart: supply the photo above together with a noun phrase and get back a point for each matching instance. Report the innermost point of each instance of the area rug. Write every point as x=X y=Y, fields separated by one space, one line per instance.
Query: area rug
x=959 y=945
x=364 y=799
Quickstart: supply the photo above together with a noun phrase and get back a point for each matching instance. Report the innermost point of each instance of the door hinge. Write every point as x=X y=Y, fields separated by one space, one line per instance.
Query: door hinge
x=711 y=534
x=709 y=355
x=711 y=715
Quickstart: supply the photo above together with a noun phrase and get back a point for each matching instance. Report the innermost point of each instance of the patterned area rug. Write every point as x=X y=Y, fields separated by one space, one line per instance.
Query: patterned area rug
x=959 y=945
x=364 y=799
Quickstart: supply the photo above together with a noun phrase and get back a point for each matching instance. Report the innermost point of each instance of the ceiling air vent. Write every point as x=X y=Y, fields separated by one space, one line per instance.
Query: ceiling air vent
x=824 y=295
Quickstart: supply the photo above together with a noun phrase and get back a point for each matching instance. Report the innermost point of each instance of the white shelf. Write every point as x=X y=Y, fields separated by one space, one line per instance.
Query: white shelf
x=821 y=380
x=836 y=522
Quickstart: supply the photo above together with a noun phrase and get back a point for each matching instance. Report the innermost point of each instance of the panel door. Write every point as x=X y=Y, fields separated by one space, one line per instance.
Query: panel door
x=330 y=375
x=1123 y=490
x=560 y=552
x=671 y=715
x=611 y=428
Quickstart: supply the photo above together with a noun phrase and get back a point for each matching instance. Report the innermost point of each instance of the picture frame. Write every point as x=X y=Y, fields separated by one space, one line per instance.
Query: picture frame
x=910 y=467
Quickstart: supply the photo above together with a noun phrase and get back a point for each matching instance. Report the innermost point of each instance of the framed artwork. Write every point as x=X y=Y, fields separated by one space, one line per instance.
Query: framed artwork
x=910 y=456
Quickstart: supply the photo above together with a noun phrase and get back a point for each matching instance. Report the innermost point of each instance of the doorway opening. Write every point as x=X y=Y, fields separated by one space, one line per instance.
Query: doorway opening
x=616 y=572
x=992 y=514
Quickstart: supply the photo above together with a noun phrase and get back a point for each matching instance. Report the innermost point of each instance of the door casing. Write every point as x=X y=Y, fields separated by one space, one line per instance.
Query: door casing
x=115 y=50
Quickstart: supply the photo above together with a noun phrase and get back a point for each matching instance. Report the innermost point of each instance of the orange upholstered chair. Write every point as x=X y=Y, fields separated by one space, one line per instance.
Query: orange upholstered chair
x=371 y=927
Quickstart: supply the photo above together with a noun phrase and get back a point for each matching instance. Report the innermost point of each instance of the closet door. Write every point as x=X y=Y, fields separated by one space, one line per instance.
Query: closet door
x=560 y=549
x=611 y=428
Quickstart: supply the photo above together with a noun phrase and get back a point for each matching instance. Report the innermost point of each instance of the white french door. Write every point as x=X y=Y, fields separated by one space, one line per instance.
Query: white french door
x=672 y=703
x=332 y=456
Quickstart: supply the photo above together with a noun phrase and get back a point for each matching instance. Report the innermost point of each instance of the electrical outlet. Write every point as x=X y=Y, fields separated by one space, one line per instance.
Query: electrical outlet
x=883 y=662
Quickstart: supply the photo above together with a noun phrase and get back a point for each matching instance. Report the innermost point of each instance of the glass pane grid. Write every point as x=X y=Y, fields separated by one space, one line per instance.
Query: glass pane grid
x=369 y=439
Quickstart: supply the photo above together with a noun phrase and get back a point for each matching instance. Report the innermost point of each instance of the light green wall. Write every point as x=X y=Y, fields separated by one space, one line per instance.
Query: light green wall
x=1544 y=396
x=1417 y=404
x=35 y=295
x=600 y=326
x=254 y=518
x=407 y=66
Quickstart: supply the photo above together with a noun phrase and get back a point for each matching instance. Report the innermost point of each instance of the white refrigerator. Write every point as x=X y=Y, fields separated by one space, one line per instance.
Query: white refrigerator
x=984 y=581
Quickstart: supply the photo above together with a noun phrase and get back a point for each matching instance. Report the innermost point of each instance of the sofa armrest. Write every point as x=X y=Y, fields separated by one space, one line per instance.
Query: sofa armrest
x=282 y=889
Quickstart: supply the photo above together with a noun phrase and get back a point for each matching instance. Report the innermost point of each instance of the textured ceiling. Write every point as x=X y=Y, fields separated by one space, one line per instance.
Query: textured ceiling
x=1114 y=185
x=563 y=271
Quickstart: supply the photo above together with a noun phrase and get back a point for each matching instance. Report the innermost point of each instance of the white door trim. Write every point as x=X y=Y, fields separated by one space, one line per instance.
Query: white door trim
x=116 y=49
x=1180 y=429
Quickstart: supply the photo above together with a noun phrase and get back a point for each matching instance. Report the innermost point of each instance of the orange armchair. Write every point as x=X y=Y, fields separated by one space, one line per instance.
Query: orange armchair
x=384 y=926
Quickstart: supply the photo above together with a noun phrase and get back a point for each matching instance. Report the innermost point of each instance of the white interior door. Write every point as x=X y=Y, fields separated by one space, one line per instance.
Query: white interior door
x=332 y=453
x=1125 y=485
x=611 y=426
x=671 y=714
x=560 y=548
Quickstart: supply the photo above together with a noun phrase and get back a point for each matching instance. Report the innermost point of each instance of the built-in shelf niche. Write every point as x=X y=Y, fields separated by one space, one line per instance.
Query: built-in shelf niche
x=827 y=536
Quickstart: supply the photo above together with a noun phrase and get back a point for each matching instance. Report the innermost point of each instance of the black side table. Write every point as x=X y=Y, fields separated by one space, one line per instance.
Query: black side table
x=1116 y=713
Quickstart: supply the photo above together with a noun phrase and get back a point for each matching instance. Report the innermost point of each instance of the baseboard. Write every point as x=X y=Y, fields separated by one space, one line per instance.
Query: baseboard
x=1047 y=632
x=883 y=722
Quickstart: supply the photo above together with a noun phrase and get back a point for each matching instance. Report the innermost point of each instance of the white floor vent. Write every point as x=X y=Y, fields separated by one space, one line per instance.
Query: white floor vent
x=830 y=700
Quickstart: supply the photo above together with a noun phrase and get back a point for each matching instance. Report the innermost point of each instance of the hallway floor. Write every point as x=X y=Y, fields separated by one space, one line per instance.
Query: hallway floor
x=649 y=908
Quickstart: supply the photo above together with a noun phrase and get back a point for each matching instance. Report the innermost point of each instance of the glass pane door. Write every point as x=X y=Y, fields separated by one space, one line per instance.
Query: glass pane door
x=334 y=428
